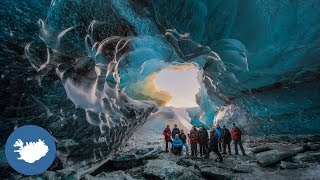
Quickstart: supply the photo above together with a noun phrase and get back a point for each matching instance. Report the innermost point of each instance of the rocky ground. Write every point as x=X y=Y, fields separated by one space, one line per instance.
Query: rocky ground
x=275 y=158
x=268 y=160
x=143 y=158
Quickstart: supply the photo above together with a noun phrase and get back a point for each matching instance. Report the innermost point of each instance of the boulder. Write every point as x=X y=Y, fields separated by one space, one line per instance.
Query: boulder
x=310 y=157
x=312 y=147
x=312 y=138
x=260 y=149
x=216 y=173
x=289 y=165
x=151 y=154
x=186 y=162
x=63 y=174
x=128 y=161
x=56 y=165
x=191 y=173
x=162 y=169
x=125 y=162
x=115 y=175
x=238 y=168
x=270 y=157
x=142 y=151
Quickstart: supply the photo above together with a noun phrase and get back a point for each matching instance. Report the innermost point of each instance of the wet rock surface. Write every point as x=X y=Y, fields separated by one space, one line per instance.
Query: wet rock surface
x=116 y=175
x=286 y=160
x=260 y=149
x=133 y=160
x=162 y=169
x=283 y=160
x=270 y=157
x=289 y=165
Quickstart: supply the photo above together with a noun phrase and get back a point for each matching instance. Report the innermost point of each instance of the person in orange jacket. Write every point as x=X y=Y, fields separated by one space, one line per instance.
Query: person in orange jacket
x=167 y=136
x=193 y=136
x=236 y=136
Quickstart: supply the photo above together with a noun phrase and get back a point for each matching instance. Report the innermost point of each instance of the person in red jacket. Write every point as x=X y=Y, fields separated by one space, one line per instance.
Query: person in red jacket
x=167 y=136
x=236 y=136
x=193 y=136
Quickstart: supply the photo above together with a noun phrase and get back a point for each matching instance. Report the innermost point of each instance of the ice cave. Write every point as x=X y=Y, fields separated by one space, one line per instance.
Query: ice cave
x=105 y=77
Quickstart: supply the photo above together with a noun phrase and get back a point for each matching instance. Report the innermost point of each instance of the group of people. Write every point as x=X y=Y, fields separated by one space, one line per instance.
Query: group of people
x=218 y=141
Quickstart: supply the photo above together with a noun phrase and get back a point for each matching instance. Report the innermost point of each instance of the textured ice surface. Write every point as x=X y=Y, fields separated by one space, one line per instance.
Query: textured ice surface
x=76 y=68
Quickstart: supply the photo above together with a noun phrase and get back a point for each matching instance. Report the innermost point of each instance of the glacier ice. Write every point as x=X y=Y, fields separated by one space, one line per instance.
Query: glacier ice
x=77 y=67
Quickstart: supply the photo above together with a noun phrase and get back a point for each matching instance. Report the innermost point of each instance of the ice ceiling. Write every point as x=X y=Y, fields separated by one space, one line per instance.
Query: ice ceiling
x=80 y=68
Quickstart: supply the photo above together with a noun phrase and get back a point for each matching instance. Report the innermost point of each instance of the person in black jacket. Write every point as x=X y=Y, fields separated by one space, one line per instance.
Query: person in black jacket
x=213 y=145
x=175 y=131
x=203 y=140
x=226 y=140
x=207 y=134
x=183 y=138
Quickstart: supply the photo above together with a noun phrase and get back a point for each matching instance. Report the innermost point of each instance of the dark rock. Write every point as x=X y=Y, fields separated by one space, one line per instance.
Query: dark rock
x=237 y=168
x=56 y=165
x=311 y=157
x=131 y=160
x=142 y=151
x=289 y=165
x=152 y=143
x=315 y=147
x=64 y=174
x=136 y=172
x=191 y=173
x=151 y=155
x=216 y=173
x=186 y=162
x=260 y=149
x=162 y=169
x=312 y=147
x=125 y=162
x=6 y=171
x=312 y=138
x=270 y=157
x=115 y=175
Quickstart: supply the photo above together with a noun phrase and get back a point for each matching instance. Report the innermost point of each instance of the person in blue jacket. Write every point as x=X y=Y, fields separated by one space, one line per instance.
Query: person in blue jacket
x=219 y=133
x=177 y=145
x=175 y=131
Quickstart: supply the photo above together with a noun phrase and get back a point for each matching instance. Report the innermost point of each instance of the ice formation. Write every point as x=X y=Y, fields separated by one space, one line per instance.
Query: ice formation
x=81 y=71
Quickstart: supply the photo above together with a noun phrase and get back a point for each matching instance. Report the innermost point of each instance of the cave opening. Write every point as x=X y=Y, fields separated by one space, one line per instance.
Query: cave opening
x=181 y=83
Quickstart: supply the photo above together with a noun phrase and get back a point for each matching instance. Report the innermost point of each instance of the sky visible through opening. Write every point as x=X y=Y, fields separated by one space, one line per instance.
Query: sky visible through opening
x=181 y=84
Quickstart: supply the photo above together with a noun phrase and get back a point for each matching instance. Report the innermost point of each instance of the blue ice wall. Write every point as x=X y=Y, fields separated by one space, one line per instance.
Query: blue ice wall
x=260 y=56
x=270 y=47
x=65 y=65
